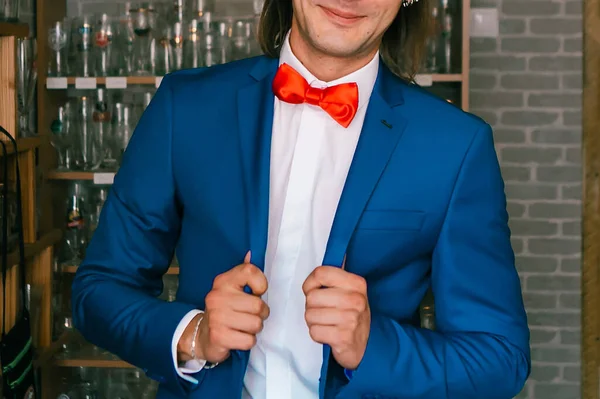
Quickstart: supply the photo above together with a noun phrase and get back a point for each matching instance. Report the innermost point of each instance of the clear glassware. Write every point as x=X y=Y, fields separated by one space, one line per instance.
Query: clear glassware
x=178 y=10
x=241 y=40
x=62 y=138
x=257 y=6
x=198 y=8
x=26 y=84
x=163 y=58
x=89 y=153
x=70 y=347
x=75 y=235
x=123 y=126
x=432 y=56
x=170 y=286
x=96 y=210
x=116 y=385
x=177 y=42
x=58 y=41
x=10 y=10
x=86 y=390
x=104 y=46
x=143 y=40
x=192 y=46
x=82 y=45
x=215 y=49
x=447 y=22
x=104 y=137
x=125 y=38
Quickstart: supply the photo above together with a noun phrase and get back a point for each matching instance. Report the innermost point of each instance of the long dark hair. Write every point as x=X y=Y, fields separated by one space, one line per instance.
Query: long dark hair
x=402 y=48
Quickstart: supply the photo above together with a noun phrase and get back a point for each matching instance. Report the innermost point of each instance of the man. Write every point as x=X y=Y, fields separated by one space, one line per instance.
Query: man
x=313 y=197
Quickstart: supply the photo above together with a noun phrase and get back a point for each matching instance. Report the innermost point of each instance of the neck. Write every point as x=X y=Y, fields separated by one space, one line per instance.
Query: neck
x=323 y=66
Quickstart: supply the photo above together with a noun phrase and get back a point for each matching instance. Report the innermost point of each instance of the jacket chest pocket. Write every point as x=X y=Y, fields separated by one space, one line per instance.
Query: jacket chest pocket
x=385 y=240
x=391 y=220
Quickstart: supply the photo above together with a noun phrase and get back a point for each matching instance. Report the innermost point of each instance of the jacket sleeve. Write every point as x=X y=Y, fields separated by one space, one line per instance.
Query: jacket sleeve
x=115 y=288
x=480 y=348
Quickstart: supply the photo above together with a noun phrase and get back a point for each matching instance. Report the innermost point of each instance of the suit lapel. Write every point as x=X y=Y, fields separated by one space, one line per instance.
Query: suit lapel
x=379 y=137
x=380 y=134
x=255 y=117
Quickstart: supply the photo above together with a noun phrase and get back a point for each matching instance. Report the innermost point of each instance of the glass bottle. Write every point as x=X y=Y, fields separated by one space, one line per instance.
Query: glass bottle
x=101 y=118
x=75 y=234
x=142 y=42
x=82 y=54
x=104 y=39
x=123 y=127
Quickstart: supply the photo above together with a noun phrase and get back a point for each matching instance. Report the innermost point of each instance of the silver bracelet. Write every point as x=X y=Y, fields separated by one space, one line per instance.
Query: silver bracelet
x=195 y=336
x=208 y=365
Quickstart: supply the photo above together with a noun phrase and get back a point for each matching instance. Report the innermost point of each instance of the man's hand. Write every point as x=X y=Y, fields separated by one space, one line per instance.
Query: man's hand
x=337 y=313
x=232 y=318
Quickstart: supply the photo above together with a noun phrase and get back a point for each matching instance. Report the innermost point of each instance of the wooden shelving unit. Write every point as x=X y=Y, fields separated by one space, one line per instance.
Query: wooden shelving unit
x=23 y=145
x=36 y=248
x=39 y=243
x=14 y=29
x=72 y=269
x=52 y=92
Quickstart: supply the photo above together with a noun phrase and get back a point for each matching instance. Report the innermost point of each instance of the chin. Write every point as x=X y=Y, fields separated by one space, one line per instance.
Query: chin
x=336 y=45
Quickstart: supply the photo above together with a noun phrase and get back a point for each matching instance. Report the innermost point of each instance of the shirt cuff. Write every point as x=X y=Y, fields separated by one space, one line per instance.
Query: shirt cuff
x=191 y=366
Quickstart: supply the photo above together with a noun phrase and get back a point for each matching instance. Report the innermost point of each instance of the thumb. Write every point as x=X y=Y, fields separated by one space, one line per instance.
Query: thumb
x=248 y=257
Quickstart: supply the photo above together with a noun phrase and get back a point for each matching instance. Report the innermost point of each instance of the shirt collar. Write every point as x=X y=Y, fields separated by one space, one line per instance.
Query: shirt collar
x=365 y=77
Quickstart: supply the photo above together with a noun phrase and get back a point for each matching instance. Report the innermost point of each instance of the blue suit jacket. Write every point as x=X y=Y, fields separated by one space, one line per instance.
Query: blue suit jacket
x=423 y=206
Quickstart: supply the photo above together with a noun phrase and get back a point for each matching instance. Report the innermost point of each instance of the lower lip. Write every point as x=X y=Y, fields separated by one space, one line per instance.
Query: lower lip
x=339 y=19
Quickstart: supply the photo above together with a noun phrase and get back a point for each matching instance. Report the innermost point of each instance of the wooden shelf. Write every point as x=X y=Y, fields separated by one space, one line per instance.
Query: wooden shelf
x=31 y=250
x=14 y=29
x=123 y=82
x=57 y=175
x=72 y=269
x=94 y=363
x=115 y=82
x=23 y=145
x=96 y=177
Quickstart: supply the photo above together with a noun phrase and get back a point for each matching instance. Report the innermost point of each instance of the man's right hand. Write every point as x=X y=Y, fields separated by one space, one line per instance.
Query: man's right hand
x=232 y=317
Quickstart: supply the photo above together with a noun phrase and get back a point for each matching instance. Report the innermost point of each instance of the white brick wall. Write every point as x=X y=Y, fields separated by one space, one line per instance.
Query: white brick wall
x=527 y=84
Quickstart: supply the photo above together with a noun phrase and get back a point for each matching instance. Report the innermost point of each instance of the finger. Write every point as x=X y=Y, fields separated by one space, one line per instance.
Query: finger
x=249 y=304
x=336 y=298
x=331 y=276
x=330 y=317
x=242 y=275
x=232 y=339
x=243 y=322
x=248 y=257
x=323 y=334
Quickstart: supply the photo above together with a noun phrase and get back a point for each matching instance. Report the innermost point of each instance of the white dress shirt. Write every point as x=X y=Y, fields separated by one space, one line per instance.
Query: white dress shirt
x=310 y=157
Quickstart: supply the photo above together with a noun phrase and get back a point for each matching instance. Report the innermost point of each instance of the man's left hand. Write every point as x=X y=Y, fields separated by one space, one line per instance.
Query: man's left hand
x=337 y=313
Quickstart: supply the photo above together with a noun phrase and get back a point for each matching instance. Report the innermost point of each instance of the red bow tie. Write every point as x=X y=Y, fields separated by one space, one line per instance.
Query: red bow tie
x=341 y=101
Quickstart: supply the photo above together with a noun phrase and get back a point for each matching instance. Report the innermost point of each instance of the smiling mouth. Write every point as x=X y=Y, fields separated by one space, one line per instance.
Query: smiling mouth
x=341 y=16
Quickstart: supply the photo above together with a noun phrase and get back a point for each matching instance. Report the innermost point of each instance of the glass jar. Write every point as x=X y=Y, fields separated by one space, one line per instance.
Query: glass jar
x=9 y=10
